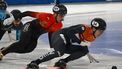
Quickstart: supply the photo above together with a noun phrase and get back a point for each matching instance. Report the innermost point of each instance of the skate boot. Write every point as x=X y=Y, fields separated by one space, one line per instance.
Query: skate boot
x=60 y=64
x=32 y=66
x=1 y=56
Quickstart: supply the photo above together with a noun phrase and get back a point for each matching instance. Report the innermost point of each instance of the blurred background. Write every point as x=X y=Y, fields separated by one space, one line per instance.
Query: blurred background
x=25 y=2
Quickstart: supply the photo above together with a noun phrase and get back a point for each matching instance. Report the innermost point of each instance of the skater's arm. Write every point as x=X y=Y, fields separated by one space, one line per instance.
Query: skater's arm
x=75 y=30
x=29 y=13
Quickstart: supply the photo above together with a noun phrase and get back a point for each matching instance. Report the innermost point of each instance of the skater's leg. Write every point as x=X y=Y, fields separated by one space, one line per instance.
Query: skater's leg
x=22 y=44
x=19 y=47
x=59 y=47
x=2 y=32
x=76 y=52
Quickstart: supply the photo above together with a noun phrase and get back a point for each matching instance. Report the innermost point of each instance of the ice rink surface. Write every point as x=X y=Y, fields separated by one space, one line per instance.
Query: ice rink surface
x=107 y=48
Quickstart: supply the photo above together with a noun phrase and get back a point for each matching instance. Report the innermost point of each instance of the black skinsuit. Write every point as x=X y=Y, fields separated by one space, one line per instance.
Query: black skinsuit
x=28 y=38
x=64 y=45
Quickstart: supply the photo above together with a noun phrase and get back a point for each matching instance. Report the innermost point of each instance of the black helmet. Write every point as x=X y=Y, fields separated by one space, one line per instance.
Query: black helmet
x=16 y=13
x=98 y=23
x=3 y=5
x=60 y=9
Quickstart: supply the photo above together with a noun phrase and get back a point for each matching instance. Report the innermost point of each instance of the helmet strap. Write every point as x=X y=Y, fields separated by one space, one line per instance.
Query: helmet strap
x=56 y=18
x=94 y=33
